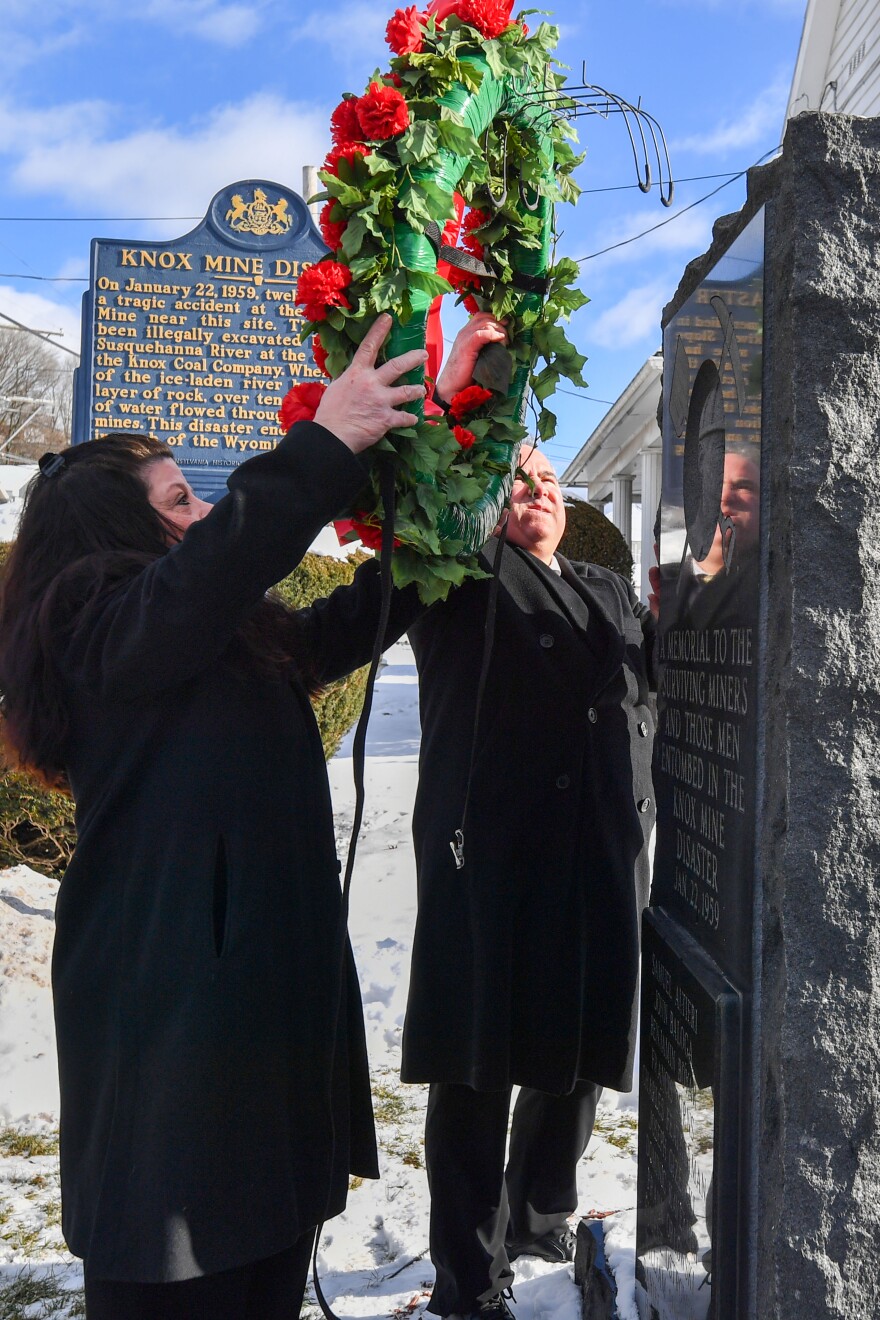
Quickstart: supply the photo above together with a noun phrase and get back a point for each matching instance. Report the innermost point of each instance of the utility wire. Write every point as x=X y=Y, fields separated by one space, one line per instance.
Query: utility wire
x=625 y=187
x=51 y=279
x=669 y=219
x=149 y=219
x=78 y=279
x=46 y=339
x=92 y=219
x=589 y=398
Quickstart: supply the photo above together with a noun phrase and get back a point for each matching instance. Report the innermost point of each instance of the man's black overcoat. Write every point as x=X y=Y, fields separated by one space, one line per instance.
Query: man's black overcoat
x=195 y=971
x=525 y=963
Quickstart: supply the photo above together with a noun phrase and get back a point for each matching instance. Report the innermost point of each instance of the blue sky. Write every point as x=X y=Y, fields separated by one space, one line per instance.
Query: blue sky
x=147 y=109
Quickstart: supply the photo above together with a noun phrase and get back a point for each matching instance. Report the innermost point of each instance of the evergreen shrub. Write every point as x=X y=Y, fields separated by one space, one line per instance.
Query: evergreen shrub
x=37 y=824
x=593 y=539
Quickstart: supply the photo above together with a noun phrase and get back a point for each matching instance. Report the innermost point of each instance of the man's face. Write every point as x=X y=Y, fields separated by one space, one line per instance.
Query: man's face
x=741 y=495
x=740 y=501
x=537 y=516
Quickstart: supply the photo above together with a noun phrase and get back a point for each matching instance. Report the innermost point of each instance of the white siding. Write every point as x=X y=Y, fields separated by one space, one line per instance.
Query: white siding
x=854 y=61
x=838 y=66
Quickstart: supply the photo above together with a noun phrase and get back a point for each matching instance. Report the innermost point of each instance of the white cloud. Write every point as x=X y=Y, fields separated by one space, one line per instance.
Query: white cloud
x=366 y=20
x=741 y=6
x=755 y=125
x=690 y=233
x=41 y=313
x=355 y=36
x=30 y=34
x=74 y=152
x=635 y=317
x=228 y=24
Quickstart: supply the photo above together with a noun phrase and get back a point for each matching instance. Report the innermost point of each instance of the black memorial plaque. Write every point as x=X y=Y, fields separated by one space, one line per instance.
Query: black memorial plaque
x=695 y=1078
x=196 y=340
x=686 y=1238
x=704 y=765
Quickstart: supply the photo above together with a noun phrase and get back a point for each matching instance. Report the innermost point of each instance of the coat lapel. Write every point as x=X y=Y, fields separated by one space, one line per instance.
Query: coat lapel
x=605 y=633
x=590 y=604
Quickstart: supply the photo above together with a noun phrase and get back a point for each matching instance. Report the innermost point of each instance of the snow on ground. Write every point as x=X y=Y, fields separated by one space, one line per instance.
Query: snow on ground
x=13 y=479
x=373 y=1259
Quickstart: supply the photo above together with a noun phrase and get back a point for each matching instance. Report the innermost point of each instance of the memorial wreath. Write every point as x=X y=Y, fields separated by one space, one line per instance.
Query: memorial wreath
x=470 y=114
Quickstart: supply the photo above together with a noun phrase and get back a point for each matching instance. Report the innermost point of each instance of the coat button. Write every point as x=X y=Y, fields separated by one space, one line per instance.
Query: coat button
x=644 y=805
x=592 y=715
x=563 y=781
x=643 y=729
x=546 y=640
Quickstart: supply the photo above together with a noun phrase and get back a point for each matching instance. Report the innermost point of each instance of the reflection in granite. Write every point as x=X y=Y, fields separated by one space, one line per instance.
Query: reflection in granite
x=697 y=951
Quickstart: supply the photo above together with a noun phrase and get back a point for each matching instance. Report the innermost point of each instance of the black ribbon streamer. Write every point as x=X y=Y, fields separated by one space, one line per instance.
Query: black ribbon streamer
x=359 y=749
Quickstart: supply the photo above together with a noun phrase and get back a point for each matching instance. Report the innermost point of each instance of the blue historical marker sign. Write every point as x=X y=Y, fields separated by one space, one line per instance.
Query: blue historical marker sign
x=197 y=339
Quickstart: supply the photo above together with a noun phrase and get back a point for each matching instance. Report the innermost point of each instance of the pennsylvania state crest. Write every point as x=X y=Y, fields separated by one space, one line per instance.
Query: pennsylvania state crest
x=259 y=216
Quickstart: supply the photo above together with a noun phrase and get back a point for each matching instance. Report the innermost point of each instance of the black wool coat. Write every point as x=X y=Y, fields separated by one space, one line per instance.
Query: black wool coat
x=525 y=963
x=208 y=1116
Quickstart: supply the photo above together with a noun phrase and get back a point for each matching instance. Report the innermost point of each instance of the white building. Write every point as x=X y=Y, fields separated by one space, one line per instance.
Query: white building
x=13 y=479
x=837 y=69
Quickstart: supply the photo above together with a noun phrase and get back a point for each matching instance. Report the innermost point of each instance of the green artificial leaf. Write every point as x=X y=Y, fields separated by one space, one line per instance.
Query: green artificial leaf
x=376 y=167
x=565 y=301
x=344 y=193
x=427 y=457
x=356 y=230
x=386 y=291
x=546 y=424
x=544 y=384
x=462 y=489
x=363 y=268
x=418 y=143
x=495 y=58
x=568 y=189
x=460 y=141
x=425 y=282
x=469 y=74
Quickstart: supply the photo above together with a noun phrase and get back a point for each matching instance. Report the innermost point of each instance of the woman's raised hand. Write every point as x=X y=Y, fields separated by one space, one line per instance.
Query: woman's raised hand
x=362 y=404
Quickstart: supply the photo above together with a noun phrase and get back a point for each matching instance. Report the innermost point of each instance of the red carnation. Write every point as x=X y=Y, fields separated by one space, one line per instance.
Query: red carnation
x=319 y=353
x=320 y=287
x=463 y=279
x=393 y=78
x=347 y=151
x=344 y=125
x=331 y=230
x=464 y=437
x=371 y=536
x=300 y=404
x=525 y=28
x=490 y=17
x=474 y=220
x=382 y=112
x=470 y=304
x=468 y=400
x=404 y=31
x=449 y=237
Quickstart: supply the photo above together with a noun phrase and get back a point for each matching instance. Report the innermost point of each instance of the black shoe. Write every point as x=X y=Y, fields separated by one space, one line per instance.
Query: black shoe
x=495 y=1309
x=557 y=1246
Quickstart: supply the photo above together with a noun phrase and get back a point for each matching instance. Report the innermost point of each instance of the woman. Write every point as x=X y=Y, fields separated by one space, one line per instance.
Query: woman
x=214 y=1092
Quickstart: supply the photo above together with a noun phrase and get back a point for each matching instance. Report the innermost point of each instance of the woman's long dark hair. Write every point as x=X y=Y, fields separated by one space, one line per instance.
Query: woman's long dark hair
x=87 y=525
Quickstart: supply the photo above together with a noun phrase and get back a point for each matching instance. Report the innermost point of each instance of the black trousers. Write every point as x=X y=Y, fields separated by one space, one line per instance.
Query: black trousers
x=270 y=1289
x=477 y=1208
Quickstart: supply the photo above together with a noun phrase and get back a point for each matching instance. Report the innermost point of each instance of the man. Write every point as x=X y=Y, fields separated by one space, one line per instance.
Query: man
x=740 y=500
x=525 y=960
